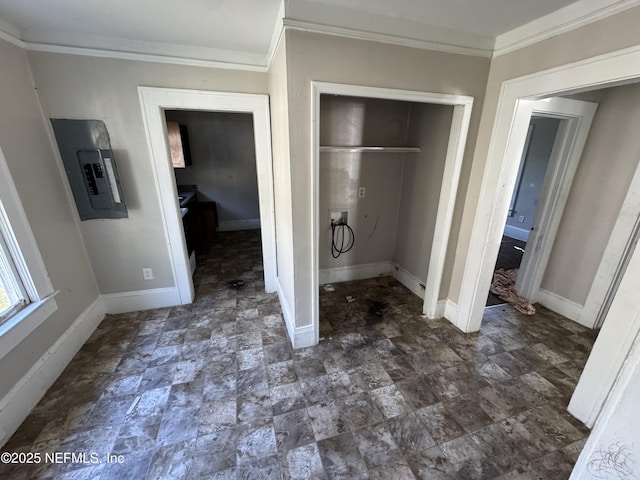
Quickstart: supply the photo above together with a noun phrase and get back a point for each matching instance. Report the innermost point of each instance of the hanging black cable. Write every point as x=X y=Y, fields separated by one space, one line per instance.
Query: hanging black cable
x=338 y=237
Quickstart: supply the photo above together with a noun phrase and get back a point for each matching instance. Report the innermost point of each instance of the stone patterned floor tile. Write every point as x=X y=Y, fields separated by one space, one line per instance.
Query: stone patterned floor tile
x=214 y=390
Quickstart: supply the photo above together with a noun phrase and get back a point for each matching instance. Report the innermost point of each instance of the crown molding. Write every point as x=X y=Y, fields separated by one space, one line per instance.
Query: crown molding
x=8 y=37
x=276 y=35
x=383 y=38
x=142 y=57
x=561 y=21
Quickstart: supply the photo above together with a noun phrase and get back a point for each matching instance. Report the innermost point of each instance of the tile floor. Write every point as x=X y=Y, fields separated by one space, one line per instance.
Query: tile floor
x=213 y=390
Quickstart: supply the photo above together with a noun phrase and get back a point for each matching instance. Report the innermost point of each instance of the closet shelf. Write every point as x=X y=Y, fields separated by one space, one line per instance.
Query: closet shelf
x=358 y=149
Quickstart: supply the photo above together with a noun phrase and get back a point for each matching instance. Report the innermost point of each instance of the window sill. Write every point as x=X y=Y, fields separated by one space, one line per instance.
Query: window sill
x=23 y=323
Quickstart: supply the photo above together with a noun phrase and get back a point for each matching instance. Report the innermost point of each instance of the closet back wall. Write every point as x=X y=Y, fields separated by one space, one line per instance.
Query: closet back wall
x=224 y=165
x=357 y=121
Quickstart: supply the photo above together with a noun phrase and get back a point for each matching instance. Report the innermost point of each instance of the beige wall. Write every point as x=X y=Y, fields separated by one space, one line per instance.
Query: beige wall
x=38 y=179
x=613 y=33
x=312 y=56
x=429 y=129
x=277 y=82
x=604 y=174
x=73 y=86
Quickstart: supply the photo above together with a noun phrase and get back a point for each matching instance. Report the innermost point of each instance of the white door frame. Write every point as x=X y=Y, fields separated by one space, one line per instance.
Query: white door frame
x=462 y=106
x=154 y=101
x=616 y=337
x=620 y=247
x=576 y=117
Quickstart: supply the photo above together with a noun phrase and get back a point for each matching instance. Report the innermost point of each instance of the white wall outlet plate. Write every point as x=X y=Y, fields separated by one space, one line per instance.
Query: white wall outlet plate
x=362 y=192
x=147 y=273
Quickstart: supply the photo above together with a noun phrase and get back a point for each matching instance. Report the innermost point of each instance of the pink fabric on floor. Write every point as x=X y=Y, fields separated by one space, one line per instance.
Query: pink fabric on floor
x=503 y=285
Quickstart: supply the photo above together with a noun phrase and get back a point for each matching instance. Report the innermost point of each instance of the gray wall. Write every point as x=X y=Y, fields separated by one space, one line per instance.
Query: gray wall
x=535 y=167
x=313 y=56
x=73 y=86
x=47 y=203
x=602 y=180
x=224 y=162
x=429 y=128
x=371 y=122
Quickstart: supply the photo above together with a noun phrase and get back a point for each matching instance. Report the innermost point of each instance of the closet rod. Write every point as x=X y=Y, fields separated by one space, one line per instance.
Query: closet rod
x=355 y=149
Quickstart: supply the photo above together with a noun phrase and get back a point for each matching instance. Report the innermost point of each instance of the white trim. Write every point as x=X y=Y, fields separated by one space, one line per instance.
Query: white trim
x=568 y=18
x=446 y=203
x=604 y=70
x=566 y=153
x=558 y=304
x=304 y=337
x=289 y=319
x=232 y=225
x=124 y=302
x=620 y=246
x=153 y=102
x=612 y=348
x=521 y=234
x=276 y=36
x=462 y=106
x=23 y=323
x=448 y=310
x=12 y=39
x=408 y=279
x=27 y=392
x=383 y=38
x=142 y=57
x=38 y=283
x=354 y=272
x=607 y=429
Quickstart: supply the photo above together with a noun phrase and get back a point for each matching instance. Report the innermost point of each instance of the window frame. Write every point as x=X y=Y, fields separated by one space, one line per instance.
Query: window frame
x=23 y=251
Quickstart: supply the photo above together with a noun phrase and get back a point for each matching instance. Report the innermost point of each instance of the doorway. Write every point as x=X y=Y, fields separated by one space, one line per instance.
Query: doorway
x=154 y=102
x=617 y=334
x=526 y=194
x=571 y=121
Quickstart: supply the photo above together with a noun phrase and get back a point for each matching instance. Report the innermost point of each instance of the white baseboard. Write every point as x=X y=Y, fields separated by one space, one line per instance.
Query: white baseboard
x=141 y=300
x=289 y=320
x=408 y=279
x=441 y=307
x=27 y=392
x=232 y=225
x=354 y=272
x=561 y=305
x=448 y=310
x=451 y=312
x=304 y=336
x=521 y=234
x=300 y=336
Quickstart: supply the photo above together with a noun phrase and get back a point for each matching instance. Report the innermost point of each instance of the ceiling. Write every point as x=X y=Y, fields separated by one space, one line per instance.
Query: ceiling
x=241 y=31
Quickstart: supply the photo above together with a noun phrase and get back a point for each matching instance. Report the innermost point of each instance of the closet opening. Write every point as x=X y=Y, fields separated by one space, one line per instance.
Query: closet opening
x=387 y=172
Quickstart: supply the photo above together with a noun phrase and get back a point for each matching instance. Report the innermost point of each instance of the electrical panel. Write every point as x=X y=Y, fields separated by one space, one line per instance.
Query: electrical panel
x=91 y=168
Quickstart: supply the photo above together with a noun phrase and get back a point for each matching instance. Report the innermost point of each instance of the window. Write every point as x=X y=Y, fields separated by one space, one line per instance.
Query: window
x=13 y=295
x=26 y=293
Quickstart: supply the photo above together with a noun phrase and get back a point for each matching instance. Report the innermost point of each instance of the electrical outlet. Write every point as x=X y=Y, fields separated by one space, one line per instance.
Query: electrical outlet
x=338 y=216
x=361 y=192
x=521 y=219
x=147 y=273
